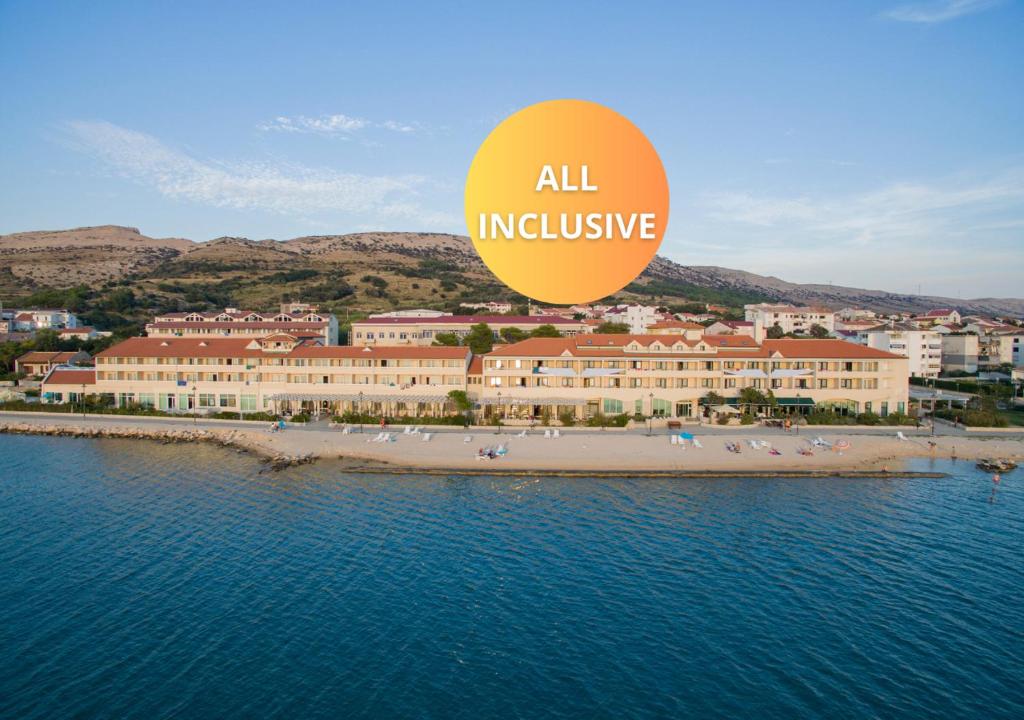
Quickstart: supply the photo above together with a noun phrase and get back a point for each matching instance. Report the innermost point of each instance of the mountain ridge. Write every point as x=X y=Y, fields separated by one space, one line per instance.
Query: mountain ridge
x=115 y=254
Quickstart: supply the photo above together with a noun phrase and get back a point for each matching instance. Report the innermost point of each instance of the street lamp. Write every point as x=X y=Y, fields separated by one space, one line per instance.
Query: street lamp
x=195 y=405
x=498 y=431
x=650 y=417
x=359 y=411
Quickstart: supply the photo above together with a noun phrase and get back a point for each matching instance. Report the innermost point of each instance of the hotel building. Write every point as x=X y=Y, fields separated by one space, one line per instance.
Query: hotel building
x=304 y=322
x=791 y=319
x=658 y=375
x=423 y=331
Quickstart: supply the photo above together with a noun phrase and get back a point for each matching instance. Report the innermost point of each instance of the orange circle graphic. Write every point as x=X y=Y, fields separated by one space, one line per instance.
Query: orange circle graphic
x=566 y=201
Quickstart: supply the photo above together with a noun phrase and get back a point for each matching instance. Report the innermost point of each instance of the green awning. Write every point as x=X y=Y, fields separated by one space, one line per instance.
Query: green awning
x=795 y=401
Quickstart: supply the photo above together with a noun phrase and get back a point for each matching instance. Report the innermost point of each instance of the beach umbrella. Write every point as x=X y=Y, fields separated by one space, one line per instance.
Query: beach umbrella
x=686 y=436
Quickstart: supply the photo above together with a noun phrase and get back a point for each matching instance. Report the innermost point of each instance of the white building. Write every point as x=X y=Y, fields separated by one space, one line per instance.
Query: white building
x=636 y=317
x=40 y=319
x=495 y=308
x=415 y=313
x=922 y=348
x=959 y=352
x=790 y=318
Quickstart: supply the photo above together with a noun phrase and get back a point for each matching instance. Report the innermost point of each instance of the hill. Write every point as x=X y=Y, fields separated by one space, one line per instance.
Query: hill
x=117 y=276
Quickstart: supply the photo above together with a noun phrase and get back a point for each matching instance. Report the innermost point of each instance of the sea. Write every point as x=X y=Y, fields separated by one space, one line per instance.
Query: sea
x=140 y=580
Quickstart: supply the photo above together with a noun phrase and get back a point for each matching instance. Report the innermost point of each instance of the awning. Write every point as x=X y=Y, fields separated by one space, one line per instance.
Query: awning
x=512 y=401
x=801 y=401
x=746 y=373
x=724 y=409
x=355 y=397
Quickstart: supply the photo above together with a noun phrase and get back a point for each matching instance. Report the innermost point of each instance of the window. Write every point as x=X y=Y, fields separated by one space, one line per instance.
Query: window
x=228 y=401
x=207 y=400
x=248 y=403
x=612 y=407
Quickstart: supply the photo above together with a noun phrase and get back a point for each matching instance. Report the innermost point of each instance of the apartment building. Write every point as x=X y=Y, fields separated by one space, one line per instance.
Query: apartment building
x=999 y=345
x=276 y=373
x=423 y=331
x=792 y=319
x=959 y=352
x=38 y=362
x=636 y=317
x=689 y=330
x=305 y=322
x=30 y=320
x=668 y=376
x=921 y=347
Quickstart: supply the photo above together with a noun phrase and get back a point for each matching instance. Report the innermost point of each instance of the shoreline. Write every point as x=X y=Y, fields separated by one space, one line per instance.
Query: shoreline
x=573 y=455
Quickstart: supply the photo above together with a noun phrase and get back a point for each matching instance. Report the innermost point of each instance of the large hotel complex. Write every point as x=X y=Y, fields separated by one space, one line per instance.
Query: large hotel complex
x=653 y=375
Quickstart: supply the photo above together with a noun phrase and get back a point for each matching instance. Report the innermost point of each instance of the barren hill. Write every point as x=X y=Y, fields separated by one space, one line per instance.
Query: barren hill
x=364 y=272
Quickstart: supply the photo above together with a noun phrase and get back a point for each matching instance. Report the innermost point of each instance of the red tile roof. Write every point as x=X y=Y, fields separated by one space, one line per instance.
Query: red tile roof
x=240 y=347
x=472 y=320
x=39 y=356
x=63 y=376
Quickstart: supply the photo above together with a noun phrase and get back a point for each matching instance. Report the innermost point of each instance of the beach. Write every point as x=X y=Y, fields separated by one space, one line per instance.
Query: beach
x=576 y=450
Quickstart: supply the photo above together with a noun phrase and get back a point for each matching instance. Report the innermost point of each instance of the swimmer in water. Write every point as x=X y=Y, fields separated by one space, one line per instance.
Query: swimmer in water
x=996 y=478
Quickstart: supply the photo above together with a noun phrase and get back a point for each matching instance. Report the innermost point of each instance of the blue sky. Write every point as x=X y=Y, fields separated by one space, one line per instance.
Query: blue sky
x=876 y=144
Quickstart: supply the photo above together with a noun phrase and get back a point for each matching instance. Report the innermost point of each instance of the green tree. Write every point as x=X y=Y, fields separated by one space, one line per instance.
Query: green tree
x=751 y=397
x=513 y=334
x=712 y=398
x=817 y=331
x=447 y=339
x=480 y=339
x=545 y=331
x=775 y=332
x=613 y=328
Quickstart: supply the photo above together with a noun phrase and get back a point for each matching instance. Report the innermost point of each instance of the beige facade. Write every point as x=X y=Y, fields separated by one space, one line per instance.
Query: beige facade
x=423 y=331
x=668 y=376
x=663 y=376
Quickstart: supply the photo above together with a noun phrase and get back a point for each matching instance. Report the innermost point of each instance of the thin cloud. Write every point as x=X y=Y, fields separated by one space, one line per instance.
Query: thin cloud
x=938 y=12
x=872 y=238
x=288 y=189
x=336 y=125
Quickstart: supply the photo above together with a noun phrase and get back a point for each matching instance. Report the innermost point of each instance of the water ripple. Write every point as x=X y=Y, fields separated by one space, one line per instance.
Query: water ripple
x=143 y=581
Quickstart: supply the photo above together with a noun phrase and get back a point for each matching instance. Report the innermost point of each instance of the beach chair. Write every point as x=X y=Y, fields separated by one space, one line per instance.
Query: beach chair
x=547 y=434
x=345 y=430
x=467 y=439
x=900 y=436
x=696 y=444
x=753 y=445
x=673 y=440
x=555 y=434
x=407 y=430
x=415 y=430
x=426 y=437
x=522 y=434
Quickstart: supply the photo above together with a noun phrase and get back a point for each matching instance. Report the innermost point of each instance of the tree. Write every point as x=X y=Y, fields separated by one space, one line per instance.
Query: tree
x=751 y=396
x=613 y=328
x=447 y=339
x=775 y=332
x=817 y=331
x=480 y=339
x=513 y=334
x=545 y=331
x=462 y=403
x=712 y=398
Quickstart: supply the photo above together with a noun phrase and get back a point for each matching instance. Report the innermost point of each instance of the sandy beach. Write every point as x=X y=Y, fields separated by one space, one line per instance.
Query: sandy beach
x=874 y=450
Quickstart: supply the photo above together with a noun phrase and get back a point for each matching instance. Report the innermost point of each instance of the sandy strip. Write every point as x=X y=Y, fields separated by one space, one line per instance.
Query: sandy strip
x=574 y=452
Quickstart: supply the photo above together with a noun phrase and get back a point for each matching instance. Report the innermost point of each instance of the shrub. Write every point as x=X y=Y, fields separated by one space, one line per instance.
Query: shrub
x=567 y=419
x=868 y=418
x=723 y=420
x=302 y=417
x=746 y=419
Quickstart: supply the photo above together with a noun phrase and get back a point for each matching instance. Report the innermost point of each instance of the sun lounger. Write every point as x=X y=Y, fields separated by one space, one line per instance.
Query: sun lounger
x=696 y=444
x=468 y=438
x=407 y=430
x=345 y=430
x=900 y=436
x=673 y=440
x=426 y=437
x=547 y=434
x=555 y=433
x=522 y=434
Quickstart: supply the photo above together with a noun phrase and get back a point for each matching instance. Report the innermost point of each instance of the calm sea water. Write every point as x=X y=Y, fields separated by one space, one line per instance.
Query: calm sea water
x=147 y=581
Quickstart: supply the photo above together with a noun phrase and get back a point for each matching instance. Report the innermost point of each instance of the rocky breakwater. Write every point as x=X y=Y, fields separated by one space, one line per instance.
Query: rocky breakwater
x=229 y=438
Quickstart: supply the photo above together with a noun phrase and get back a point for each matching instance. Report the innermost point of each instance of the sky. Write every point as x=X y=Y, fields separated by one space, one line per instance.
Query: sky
x=873 y=144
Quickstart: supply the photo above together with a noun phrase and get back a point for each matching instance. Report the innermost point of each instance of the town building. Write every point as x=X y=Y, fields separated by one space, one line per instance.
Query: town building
x=493 y=308
x=959 y=353
x=31 y=320
x=922 y=348
x=83 y=332
x=232 y=322
x=939 y=316
x=423 y=331
x=38 y=362
x=413 y=313
x=790 y=318
x=689 y=330
x=733 y=327
x=636 y=317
